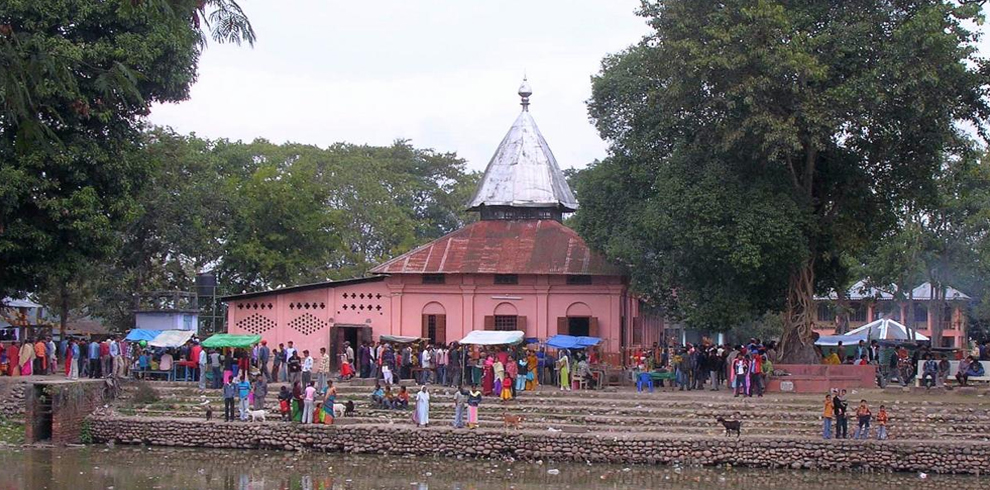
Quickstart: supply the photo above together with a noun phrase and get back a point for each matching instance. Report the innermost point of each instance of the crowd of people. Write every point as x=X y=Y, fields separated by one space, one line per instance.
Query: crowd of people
x=744 y=369
x=836 y=414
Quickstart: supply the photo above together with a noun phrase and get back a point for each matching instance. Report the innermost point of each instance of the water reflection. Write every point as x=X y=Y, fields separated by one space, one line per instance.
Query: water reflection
x=159 y=468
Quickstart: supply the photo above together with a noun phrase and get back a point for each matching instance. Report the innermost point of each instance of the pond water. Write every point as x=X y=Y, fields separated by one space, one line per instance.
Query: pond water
x=124 y=468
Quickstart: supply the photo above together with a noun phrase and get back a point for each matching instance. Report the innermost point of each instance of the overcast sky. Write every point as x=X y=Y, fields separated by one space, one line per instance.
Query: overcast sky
x=442 y=73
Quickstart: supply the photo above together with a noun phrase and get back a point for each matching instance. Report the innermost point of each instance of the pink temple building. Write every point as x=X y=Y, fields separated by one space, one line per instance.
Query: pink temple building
x=518 y=268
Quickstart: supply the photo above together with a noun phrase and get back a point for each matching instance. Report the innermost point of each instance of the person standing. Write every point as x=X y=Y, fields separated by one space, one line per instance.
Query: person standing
x=106 y=362
x=422 y=414
x=26 y=358
x=460 y=403
x=94 y=359
x=882 y=419
x=278 y=358
x=229 y=391
x=827 y=414
x=294 y=368
x=863 y=415
x=473 y=400
x=202 y=361
x=40 y=368
x=564 y=369
x=308 y=402
x=425 y=364
x=263 y=355
x=73 y=351
x=307 y=368
x=215 y=367
x=328 y=401
x=260 y=392
x=364 y=359
x=115 y=360
x=243 y=391
x=322 y=370
x=839 y=406
x=50 y=355
x=441 y=362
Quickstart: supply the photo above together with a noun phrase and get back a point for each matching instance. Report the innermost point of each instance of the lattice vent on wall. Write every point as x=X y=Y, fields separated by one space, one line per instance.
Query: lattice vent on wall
x=307 y=324
x=256 y=324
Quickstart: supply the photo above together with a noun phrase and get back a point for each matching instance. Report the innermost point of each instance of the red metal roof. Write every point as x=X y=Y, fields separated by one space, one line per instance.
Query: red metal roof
x=504 y=247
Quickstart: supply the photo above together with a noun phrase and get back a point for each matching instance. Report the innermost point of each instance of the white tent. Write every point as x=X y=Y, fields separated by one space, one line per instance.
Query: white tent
x=171 y=338
x=882 y=329
x=493 y=337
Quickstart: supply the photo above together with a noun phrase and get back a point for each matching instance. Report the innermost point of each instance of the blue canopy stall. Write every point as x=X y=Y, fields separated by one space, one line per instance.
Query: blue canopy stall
x=572 y=342
x=139 y=334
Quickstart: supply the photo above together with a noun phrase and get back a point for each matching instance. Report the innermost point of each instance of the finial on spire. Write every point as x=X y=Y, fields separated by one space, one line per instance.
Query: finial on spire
x=525 y=91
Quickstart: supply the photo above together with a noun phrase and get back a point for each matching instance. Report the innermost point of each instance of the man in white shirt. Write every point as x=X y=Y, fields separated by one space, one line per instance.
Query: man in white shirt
x=307 y=368
x=322 y=370
x=289 y=350
x=424 y=362
x=202 y=368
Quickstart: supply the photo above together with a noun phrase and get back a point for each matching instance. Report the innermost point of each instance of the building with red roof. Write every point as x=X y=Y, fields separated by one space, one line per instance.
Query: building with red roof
x=518 y=268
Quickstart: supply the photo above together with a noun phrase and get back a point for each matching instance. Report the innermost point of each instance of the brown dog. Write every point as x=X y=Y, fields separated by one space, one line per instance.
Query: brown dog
x=514 y=421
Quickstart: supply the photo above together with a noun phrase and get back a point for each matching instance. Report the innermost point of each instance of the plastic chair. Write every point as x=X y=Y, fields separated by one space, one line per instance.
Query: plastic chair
x=644 y=380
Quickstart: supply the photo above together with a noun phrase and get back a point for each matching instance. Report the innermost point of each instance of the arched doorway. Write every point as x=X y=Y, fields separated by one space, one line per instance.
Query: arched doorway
x=578 y=322
x=434 y=323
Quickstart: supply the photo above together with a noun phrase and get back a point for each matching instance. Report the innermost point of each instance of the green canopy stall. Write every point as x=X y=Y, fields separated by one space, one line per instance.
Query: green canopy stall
x=220 y=340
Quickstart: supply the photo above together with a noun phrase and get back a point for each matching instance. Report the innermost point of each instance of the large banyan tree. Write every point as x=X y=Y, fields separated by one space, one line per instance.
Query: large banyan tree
x=755 y=144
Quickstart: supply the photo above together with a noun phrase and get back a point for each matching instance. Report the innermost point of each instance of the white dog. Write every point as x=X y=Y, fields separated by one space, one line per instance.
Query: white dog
x=257 y=414
x=338 y=410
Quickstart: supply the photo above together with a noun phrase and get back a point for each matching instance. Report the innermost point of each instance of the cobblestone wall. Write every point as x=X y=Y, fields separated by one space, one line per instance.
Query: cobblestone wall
x=934 y=457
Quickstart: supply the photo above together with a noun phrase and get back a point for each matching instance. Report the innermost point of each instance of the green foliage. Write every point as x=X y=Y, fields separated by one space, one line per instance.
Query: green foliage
x=756 y=145
x=76 y=79
x=263 y=215
x=86 y=432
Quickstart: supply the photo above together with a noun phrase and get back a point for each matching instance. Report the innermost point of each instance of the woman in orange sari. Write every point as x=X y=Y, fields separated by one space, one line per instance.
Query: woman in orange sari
x=532 y=376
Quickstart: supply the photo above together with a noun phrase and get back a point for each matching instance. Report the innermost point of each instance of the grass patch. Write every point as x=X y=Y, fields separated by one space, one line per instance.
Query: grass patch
x=11 y=432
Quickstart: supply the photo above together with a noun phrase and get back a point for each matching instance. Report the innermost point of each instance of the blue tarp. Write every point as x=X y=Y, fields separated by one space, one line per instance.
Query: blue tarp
x=571 y=342
x=139 y=334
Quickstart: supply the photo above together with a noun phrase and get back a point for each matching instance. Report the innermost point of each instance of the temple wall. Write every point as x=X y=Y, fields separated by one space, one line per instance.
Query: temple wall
x=396 y=306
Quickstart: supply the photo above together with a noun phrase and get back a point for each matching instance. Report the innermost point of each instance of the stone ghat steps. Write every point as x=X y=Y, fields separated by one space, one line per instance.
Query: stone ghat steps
x=686 y=400
x=676 y=424
x=926 y=416
x=494 y=421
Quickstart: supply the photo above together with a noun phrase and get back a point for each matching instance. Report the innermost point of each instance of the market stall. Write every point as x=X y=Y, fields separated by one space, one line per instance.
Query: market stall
x=493 y=337
x=221 y=340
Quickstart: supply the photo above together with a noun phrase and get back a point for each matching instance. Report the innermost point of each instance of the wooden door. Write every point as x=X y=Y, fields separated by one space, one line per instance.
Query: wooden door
x=441 y=330
x=489 y=323
x=562 y=325
x=593 y=326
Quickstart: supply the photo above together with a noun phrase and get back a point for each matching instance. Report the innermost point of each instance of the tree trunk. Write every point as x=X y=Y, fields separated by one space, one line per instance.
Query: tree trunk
x=797 y=342
x=63 y=316
x=938 y=307
x=842 y=312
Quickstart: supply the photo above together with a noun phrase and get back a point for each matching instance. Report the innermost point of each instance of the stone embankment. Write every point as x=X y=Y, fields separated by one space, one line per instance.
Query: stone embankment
x=628 y=448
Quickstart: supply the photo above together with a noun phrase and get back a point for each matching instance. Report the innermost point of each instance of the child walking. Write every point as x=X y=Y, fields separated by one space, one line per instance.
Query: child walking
x=827 y=415
x=882 y=423
x=864 y=415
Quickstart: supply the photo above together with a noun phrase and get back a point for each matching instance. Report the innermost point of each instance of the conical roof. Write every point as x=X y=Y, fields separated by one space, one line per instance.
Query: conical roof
x=523 y=172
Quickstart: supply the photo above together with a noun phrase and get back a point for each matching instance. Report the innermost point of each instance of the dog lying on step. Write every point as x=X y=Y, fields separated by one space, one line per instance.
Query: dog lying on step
x=730 y=426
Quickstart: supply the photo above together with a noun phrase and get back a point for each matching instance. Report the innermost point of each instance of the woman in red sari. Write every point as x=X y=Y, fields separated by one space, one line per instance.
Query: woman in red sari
x=14 y=358
x=488 y=377
x=68 y=357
